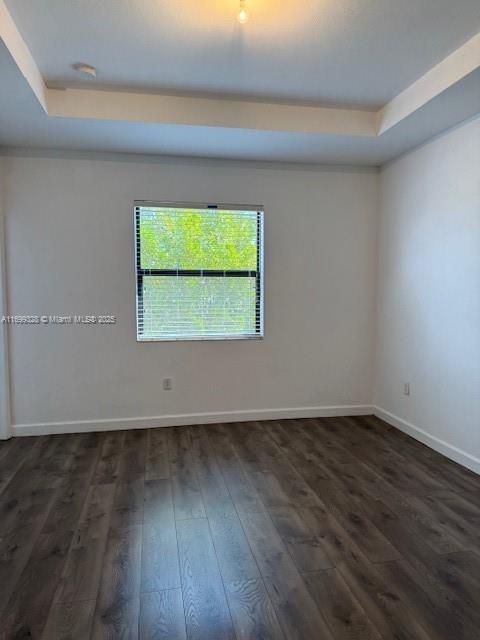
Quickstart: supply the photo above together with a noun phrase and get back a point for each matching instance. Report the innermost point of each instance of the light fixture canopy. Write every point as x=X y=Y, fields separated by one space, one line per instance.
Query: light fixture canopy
x=242 y=14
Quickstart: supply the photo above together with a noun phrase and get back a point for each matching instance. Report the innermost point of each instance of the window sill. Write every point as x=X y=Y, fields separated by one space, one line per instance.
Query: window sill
x=199 y=338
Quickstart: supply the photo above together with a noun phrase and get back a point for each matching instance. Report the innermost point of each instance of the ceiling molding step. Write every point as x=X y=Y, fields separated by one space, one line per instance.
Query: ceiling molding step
x=211 y=112
x=438 y=79
x=21 y=54
x=183 y=160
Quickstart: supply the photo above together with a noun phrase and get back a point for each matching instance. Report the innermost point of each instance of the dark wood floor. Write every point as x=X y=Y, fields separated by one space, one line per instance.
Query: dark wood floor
x=335 y=529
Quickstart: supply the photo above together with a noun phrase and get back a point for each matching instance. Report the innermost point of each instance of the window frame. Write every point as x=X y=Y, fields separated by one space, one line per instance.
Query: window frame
x=258 y=274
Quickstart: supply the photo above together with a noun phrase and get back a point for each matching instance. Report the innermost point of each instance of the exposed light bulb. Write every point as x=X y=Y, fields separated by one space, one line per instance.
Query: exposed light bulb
x=242 y=14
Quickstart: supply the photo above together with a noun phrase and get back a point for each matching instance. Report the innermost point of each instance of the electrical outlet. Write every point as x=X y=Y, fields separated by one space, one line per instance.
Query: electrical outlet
x=167 y=384
x=406 y=388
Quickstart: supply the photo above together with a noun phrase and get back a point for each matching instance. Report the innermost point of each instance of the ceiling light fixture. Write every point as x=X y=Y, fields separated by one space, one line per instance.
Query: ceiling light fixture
x=242 y=14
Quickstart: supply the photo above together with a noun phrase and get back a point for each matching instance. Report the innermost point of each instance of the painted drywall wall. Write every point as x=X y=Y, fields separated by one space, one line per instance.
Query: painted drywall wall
x=428 y=323
x=69 y=228
x=5 y=431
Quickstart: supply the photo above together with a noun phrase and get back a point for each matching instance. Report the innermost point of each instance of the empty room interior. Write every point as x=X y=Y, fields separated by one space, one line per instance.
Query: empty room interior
x=240 y=319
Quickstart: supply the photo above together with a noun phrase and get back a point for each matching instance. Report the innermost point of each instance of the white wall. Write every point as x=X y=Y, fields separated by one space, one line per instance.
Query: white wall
x=70 y=251
x=4 y=382
x=428 y=321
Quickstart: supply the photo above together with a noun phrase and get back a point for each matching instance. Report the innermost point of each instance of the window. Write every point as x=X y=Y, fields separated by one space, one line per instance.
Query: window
x=199 y=271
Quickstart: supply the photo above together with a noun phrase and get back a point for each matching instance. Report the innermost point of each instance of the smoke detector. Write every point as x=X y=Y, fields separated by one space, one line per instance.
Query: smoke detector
x=85 y=70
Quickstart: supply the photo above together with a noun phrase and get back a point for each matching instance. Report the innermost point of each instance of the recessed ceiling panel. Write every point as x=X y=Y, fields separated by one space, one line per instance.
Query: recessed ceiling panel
x=357 y=52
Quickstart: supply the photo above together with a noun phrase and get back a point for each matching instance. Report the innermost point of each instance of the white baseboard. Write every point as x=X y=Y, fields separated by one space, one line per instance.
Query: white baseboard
x=150 y=422
x=448 y=450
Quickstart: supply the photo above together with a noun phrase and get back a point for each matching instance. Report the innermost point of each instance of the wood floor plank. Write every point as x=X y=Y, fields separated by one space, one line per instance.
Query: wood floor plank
x=244 y=438
x=382 y=604
x=307 y=550
x=86 y=452
x=16 y=548
x=380 y=600
x=81 y=576
x=118 y=602
x=346 y=505
x=398 y=472
x=240 y=487
x=341 y=610
x=254 y=617
x=160 y=568
x=7 y=447
x=436 y=570
x=295 y=608
x=67 y=505
x=413 y=508
x=315 y=442
x=269 y=489
x=206 y=611
x=187 y=497
x=369 y=539
x=15 y=514
x=279 y=483
x=316 y=474
x=450 y=537
x=451 y=474
x=296 y=611
x=335 y=541
x=335 y=451
x=294 y=485
x=128 y=504
x=24 y=451
x=467 y=565
x=377 y=452
x=161 y=616
x=473 y=497
x=348 y=434
x=460 y=518
x=109 y=460
x=69 y=621
x=157 y=466
x=231 y=546
x=214 y=491
x=440 y=615
x=268 y=548
x=133 y=456
x=465 y=506
x=336 y=528
x=28 y=607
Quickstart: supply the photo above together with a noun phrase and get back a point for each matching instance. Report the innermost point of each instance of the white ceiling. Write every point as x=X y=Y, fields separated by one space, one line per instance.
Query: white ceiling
x=347 y=52
x=350 y=52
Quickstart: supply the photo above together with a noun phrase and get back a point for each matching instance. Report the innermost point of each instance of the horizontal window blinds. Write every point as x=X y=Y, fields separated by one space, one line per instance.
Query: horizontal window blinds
x=199 y=272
